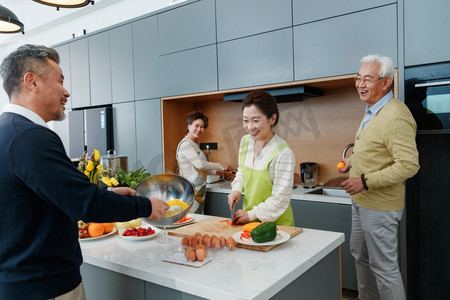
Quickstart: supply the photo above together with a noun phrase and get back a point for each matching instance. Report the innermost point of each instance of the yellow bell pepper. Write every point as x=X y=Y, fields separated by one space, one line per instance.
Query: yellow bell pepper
x=177 y=202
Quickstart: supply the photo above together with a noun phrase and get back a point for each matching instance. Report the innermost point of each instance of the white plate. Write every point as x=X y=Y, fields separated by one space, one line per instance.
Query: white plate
x=114 y=230
x=281 y=238
x=179 y=258
x=139 y=238
x=183 y=223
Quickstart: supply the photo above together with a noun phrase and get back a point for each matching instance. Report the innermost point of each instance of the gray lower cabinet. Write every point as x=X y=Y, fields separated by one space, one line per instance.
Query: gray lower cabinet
x=188 y=72
x=217 y=204
x=148 y=135
x=187 y=27
x=79 y=73
x=236 y=18
x=426 y=31
x=122 y=84
x=146 y=58
x=256 y=60
x=102 y=284
x=64 y=64
x=335 y=46
x=305 y=11
x=124 y=120
x=100 y=69
x=330 y=217
x=307 y=214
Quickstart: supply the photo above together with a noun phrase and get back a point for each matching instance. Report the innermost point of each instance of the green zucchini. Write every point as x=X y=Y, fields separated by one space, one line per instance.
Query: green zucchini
x=265 y=232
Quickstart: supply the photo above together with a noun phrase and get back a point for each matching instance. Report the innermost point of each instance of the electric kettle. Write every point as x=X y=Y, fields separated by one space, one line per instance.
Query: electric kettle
x=308 y=174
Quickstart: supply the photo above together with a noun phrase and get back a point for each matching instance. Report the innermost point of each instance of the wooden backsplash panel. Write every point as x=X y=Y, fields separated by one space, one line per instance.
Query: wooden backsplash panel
x=317 y=129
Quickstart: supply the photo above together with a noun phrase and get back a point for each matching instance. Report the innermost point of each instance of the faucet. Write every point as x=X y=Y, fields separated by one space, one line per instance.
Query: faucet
x=346 y=148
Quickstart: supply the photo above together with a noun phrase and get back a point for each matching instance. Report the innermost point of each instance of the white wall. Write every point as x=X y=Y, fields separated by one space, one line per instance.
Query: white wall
x=102 y=14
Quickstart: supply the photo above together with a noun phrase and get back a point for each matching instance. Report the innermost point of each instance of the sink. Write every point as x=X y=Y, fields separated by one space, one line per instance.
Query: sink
x=337 y=192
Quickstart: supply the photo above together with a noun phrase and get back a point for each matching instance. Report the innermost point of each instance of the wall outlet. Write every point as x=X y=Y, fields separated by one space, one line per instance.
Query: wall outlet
x=212 y=146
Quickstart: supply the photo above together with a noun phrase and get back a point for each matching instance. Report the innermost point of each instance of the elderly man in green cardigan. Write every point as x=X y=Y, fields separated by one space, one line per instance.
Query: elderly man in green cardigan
x=384 y=155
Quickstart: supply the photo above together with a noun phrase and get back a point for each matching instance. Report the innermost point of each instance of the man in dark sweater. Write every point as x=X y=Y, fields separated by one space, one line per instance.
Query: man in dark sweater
x=42 y=195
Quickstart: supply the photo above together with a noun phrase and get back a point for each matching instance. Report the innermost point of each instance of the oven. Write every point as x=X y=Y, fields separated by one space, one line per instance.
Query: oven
x=427 y=95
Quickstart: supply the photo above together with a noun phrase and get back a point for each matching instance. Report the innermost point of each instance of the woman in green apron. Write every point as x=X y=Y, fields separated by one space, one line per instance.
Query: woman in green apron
x=266 y=166
x=192 y=162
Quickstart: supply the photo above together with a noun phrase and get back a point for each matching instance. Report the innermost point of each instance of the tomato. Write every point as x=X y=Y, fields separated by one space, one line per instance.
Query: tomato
x=141 y=231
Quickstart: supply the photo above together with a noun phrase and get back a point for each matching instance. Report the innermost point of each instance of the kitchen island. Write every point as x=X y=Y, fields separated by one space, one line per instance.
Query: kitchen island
x=305 y=267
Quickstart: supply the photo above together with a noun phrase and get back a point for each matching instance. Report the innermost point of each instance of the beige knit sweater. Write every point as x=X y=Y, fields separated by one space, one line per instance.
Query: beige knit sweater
x=386 y=153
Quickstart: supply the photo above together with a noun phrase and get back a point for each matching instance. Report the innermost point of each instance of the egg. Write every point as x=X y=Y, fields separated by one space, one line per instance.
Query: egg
x=205 y=235
x=197 y=234
x=200 y=246
x=207 y=242
x=190 y=255
x=201 y=254
x=199 y=239
x=215 y=244
x=222 y=241
x=213 y=237
x=230 y=243
x=189 y=249
x=193 y=241
x=185 y=241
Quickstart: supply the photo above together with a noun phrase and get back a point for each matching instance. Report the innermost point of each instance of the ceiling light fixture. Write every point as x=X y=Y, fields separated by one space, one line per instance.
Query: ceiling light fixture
x=65 y=3
x=9 y=23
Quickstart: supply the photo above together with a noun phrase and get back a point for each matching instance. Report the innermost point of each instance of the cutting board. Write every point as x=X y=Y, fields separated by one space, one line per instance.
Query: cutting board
x=212 y=225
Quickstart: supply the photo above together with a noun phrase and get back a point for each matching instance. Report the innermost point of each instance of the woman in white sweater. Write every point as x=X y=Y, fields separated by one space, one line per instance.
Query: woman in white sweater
x=266 y=165
x=192 y=162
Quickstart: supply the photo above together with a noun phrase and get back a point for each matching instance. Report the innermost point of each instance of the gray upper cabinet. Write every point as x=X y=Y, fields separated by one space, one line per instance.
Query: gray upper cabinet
x=148 y=135
x=335 y=46
x=79 y=73
x=305 y=11
x=124 y=117
x=122 y=83
x=256 y=60
x=237 y=18
x=64 y=64
x=427 y=39
x=189 y=71
x=186 y=27
x=100 y=69
x=146 y=58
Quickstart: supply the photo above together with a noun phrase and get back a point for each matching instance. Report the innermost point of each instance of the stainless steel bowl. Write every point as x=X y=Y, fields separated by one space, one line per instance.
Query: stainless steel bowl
x=167 y=187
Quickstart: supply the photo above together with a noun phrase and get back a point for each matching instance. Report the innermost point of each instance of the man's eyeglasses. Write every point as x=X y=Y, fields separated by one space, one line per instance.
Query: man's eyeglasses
x=366 y=79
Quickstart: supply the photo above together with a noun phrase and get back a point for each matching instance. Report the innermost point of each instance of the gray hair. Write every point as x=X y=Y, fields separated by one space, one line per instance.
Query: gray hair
x=27 y=58
x=386 y=64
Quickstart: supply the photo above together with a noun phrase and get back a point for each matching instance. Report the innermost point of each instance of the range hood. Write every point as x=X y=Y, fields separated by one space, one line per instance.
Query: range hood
x=289 y=94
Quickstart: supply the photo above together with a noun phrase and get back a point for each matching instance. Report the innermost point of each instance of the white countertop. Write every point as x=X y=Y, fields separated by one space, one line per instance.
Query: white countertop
x=236 y=274
x=299 y=193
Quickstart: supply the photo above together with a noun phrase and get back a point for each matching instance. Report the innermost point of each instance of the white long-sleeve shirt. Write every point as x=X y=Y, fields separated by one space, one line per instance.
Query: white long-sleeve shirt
x=281 y=171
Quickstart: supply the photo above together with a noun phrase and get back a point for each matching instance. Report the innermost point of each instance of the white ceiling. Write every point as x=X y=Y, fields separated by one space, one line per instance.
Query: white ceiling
x=37 y=16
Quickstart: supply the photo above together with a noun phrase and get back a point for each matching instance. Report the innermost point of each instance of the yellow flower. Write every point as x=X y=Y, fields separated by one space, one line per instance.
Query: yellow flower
x=96 y=155
x=99 y=167
x=114 y=181
x=86 y=173
x=106 y=181
x=90 y=166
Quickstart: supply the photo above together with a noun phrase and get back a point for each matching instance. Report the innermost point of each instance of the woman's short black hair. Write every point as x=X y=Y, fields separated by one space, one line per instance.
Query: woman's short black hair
x=264 y=101
x=195 y=115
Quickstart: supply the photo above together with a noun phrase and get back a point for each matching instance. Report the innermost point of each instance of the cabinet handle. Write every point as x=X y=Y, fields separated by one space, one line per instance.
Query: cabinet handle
x=426 y=84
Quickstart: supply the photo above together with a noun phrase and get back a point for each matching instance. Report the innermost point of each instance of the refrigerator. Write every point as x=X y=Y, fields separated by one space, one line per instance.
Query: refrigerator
x=427 y=94
x=86 y=130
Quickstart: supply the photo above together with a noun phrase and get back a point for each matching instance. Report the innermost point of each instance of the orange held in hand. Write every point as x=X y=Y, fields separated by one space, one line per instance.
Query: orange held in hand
x=341 y=165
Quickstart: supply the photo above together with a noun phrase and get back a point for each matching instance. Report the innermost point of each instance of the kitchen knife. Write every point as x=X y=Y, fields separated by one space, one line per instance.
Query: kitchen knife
x=232 y=211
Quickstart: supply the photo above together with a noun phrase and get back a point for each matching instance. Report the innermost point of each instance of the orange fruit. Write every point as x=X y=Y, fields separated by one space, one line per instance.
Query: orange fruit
x=96 y=229
x=341 y=165
x=108 y=227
